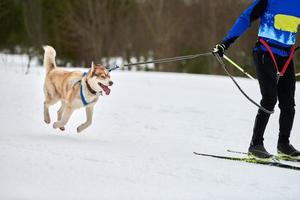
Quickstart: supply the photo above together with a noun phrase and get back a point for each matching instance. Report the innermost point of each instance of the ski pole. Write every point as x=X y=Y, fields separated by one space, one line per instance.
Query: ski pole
x=238 y=67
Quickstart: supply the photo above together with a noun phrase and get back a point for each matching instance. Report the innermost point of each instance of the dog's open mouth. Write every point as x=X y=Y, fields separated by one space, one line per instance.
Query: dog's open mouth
x=105 y=88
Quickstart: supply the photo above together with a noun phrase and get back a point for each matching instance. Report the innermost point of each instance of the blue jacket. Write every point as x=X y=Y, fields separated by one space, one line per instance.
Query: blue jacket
x=279 y=21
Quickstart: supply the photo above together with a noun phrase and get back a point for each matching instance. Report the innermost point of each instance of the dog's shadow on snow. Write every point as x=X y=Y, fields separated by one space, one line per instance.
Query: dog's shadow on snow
x=72 y=138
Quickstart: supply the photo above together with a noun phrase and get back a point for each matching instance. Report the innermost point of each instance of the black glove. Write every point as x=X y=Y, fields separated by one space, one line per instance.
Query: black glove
x=220 y=49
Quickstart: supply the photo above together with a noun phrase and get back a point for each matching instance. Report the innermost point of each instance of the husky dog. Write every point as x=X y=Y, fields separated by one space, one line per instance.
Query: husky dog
x=73 y=88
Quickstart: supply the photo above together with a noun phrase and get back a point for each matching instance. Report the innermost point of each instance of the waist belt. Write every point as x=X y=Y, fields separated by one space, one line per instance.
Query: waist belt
x=292 y=52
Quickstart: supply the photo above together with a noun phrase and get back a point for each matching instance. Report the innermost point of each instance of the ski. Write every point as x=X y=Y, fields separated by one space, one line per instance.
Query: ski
x=273 y=163
x=284 y=158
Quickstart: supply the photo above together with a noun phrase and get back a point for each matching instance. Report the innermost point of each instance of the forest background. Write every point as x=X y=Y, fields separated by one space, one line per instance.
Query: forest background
x=96 y=30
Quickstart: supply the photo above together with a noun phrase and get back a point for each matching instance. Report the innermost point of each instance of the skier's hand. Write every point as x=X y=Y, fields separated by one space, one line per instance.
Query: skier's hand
x=219 y=49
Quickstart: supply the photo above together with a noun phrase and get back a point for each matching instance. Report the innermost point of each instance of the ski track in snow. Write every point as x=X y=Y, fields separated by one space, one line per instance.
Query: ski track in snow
x=141 y=142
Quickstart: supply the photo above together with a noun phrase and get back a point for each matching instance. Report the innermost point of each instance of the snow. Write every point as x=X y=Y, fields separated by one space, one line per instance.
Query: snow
x=141 y=142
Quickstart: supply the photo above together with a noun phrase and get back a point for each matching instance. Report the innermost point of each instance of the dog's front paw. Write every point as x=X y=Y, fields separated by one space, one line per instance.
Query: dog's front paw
x=80 y=128
x=47 y=121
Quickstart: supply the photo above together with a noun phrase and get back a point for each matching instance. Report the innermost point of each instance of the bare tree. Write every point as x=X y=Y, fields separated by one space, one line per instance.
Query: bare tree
x=165 y=23
x=32 y=15
x=91 y=26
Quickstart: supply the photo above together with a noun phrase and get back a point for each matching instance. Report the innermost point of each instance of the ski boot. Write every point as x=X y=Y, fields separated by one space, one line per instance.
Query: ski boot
x=258 y=152
x=287 y=151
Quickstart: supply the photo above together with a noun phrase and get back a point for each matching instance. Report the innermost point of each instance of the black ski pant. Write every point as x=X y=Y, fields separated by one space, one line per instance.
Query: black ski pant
x=271 y=91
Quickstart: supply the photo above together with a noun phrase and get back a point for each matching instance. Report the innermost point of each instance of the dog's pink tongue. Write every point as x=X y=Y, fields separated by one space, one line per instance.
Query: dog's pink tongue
x=106 y=90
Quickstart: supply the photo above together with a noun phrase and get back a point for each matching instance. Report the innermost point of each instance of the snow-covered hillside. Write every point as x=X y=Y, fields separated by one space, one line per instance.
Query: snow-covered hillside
x=140 y=145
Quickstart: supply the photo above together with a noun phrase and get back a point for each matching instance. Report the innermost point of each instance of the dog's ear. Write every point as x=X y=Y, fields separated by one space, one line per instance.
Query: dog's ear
x=92 y=69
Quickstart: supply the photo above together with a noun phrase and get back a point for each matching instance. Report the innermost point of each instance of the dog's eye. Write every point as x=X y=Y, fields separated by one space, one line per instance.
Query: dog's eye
x=102 y=76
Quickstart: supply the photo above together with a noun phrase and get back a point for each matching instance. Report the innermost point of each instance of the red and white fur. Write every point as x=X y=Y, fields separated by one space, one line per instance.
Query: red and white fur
x=64 y=86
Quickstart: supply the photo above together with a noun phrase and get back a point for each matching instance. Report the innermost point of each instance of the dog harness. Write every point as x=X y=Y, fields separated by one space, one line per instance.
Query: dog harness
x=82 y=97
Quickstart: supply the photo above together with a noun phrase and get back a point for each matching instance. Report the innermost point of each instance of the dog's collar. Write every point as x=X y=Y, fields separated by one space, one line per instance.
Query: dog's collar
x=90 y=89
x=83 y=99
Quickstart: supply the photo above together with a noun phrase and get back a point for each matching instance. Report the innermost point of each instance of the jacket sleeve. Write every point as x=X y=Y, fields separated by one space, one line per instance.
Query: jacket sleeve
x=244 y=21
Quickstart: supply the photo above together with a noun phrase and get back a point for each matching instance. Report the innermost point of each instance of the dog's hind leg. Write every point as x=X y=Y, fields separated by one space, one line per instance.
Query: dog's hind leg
x=46 y=113
x=60 y=111
x=89 y=118
x=49 y=100
x=48 y=103
x=66 y=114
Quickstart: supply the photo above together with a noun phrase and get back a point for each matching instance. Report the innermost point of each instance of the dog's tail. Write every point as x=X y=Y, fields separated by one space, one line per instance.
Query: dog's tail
x=49 y=58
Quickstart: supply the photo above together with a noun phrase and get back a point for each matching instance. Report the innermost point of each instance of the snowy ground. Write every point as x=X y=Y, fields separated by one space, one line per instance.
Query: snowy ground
x=140 y=143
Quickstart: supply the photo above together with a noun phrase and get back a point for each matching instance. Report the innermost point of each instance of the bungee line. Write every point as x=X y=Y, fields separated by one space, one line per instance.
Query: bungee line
x=219 y=59
x=239 y=87
x=172 y=59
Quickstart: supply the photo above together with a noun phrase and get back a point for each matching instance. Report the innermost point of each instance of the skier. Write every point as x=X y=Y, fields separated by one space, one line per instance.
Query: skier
x=279 y=21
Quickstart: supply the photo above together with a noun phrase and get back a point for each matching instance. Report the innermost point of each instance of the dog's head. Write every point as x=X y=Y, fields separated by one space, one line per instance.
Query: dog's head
x=99 y=78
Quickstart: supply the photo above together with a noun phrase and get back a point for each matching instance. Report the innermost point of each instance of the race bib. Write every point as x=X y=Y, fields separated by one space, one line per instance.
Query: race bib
x=287 y=23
